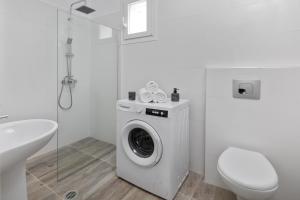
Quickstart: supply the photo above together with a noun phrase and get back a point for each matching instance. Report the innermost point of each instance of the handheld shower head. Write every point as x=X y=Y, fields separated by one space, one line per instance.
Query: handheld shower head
x=69 y=41
x=69 y=47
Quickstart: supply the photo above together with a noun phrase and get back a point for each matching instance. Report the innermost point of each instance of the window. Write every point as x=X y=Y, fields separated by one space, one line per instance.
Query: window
x=105 y=32
x=138 y=19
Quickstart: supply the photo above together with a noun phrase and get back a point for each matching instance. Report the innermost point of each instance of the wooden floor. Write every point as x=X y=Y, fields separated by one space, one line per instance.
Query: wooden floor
x=88 y=166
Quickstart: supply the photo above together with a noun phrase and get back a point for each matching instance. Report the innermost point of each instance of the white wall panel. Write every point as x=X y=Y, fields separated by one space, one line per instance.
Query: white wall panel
x=269 y=125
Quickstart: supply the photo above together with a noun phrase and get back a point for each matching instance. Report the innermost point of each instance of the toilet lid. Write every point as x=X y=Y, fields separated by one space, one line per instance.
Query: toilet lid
x=248 y=169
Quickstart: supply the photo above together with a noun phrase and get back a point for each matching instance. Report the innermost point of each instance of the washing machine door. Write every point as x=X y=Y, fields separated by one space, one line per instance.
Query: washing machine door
x=141 y=143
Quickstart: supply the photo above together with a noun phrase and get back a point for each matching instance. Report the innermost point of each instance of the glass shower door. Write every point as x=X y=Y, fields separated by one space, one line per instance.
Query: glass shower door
x=87 y=92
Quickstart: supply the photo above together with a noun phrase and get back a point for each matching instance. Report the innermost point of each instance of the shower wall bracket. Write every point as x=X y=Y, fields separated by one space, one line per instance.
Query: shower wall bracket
x=69 y=81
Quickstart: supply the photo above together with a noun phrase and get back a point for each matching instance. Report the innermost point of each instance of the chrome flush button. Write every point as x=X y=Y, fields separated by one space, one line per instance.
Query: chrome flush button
x=246 y=89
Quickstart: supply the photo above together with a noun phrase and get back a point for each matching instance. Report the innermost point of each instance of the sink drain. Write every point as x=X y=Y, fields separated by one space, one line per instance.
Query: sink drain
x=71 y=195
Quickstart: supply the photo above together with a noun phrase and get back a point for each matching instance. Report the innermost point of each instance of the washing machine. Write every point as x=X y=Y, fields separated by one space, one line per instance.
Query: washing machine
x=153 y=145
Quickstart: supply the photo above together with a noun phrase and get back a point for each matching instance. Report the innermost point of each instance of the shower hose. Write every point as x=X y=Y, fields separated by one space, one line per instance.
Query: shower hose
x=64 y=84
x=67 y=82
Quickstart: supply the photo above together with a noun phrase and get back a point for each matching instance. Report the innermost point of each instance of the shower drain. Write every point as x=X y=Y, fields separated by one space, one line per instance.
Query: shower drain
x=71 y=195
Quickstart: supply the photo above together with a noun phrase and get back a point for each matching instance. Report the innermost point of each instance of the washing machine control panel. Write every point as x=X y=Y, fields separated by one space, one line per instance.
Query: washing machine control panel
x=157 y=113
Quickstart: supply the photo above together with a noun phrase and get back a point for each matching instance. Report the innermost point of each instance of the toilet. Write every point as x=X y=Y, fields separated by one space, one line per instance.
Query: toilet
x=248 y=174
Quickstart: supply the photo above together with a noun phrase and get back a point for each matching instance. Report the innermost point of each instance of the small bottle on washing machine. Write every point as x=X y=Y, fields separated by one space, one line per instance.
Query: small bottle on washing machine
x=175 y=97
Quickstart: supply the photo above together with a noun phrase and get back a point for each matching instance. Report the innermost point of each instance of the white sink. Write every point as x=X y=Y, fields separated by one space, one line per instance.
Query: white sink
x=18 y=141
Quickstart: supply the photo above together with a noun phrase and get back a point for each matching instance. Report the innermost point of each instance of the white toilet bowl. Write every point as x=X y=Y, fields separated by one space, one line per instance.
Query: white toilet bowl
x=248 y=174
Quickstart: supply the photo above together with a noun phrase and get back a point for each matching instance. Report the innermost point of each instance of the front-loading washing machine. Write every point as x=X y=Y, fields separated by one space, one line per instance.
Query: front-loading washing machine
x=153 y=145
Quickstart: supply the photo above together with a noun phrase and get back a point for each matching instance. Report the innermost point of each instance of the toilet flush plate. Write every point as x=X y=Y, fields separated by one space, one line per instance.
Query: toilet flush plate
x=246 y=89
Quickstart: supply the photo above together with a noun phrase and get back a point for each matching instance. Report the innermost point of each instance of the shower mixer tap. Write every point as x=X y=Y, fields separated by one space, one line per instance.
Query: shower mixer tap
x=68 y=80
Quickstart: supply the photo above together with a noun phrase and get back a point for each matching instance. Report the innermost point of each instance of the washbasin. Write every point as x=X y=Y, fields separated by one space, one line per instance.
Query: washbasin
x=18 y=141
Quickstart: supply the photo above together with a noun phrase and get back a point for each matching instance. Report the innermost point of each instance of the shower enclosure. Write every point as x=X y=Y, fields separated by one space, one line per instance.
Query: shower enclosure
x=62 y=65
x=87 y=91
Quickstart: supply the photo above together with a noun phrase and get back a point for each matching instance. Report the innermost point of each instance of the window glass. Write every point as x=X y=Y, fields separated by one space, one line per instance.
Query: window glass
x=137 y=17
x=105 y=32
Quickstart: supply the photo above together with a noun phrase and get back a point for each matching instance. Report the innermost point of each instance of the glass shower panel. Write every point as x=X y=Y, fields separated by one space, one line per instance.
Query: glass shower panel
x=87 y=93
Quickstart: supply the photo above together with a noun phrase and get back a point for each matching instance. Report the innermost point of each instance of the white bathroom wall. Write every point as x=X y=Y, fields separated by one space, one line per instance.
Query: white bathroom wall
x=104 y=86
x=105 y=7
x=28 y=61
x=112 y=20
x=269 y=125
x=194 y=34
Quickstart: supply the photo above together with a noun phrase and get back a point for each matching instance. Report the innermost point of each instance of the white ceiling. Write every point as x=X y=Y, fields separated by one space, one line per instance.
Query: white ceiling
x=105 y=7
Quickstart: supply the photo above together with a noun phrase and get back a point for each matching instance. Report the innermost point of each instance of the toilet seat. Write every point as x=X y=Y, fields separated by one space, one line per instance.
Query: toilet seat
x=248 y=169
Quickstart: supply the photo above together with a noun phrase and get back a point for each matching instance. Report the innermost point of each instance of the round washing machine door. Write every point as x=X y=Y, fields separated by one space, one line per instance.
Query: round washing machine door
x=141 y=143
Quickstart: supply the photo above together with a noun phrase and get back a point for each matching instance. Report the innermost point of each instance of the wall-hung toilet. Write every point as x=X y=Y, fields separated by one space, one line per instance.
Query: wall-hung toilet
x=248 y=174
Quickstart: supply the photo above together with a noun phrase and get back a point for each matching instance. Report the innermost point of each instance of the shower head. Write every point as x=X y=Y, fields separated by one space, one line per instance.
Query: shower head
x=85 y=9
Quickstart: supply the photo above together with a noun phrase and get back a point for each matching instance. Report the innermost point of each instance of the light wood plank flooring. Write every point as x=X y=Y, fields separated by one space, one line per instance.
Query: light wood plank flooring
x=88 y=166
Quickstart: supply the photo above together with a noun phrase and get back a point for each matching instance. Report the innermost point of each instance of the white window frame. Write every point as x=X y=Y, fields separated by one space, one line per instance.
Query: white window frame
x=148 y=35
